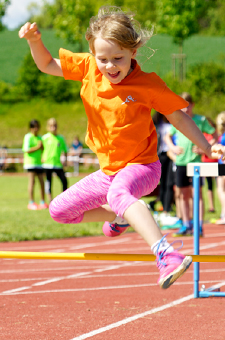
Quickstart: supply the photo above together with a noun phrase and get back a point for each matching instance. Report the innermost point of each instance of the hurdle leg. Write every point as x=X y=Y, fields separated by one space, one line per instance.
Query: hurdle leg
x=196 y=183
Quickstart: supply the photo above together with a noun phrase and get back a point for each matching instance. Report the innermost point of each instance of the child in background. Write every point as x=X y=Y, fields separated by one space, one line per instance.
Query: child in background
x=188 y=151
x=76 y=150
x=206 y=159
x=118 y=97
x=220 y=126
x=32 y=148
x=54 y=146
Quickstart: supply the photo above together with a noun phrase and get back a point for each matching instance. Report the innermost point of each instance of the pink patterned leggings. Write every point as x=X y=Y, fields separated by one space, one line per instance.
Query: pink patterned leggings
x=119 y=191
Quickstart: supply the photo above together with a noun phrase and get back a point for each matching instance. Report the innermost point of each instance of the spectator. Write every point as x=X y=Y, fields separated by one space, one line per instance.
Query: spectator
x=166 y=193
x=220 y=125
x=76 y=150
x=206 y=159
x=54 y=146
x=32 y=148
x=3 y=157
x=187 y=152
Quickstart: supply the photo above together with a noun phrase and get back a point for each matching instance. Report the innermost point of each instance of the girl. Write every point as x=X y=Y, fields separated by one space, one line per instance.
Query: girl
x=32 y=148
x=54 y=145
x=118 y=97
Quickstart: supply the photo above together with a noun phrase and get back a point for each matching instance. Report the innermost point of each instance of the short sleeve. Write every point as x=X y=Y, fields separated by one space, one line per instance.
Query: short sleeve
x=165 y=100
x=74 y=65
x=26 y=143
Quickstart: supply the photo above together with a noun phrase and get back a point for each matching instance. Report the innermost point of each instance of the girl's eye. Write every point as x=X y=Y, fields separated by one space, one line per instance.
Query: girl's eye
x=118 y=58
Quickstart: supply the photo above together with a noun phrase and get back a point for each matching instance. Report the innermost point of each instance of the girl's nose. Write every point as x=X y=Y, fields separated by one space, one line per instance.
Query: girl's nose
x=110 y=65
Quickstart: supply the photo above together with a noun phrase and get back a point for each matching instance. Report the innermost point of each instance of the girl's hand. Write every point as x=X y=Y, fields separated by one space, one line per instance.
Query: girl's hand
x=30 y=32
x=218 y=151
x=177 y=150
x=197 y=150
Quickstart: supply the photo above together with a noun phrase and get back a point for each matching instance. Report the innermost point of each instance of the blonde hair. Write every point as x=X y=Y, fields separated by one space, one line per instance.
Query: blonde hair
x=186 y=96
x=113 y=24
x=51 y=121
x=220 y=123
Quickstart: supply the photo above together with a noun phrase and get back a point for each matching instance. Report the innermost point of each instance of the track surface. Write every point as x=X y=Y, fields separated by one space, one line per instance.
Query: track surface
x=58 y=299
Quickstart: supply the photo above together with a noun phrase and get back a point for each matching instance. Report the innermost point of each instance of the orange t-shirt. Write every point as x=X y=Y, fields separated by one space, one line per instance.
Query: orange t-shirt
x=120 y=128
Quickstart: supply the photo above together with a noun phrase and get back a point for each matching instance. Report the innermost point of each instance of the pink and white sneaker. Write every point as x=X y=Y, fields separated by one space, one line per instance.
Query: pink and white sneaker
x=43 y=206
x=116 y=229
x=171 y=266
x=112 y=230
x=33 y=206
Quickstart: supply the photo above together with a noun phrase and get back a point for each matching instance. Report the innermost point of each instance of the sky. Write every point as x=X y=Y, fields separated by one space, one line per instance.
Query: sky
x=17 y=13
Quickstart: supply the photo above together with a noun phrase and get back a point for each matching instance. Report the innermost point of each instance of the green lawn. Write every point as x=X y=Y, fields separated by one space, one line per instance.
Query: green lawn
x=17 y=223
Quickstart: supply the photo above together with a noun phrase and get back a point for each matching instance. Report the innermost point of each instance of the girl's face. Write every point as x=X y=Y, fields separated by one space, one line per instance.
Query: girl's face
x=35 y=130
x=113 y=61
x=188 y=109
x=52 y=127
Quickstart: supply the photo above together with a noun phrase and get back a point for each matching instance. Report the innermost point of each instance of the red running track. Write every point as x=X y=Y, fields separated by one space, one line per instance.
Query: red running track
x=75 y=300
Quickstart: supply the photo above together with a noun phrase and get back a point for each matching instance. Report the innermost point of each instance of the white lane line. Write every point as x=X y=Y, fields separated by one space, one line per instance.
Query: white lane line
x=78 y=276
x=57 y=279
x=69 y=290
x=80 y=246
x=138 y=316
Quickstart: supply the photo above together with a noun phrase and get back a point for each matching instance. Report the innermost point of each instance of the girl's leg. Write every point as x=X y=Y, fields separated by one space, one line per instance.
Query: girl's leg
x=61 y=174
x=130 y=184
x=48 y=184
x=85 y=201
x=31 y=183
x=41 y=181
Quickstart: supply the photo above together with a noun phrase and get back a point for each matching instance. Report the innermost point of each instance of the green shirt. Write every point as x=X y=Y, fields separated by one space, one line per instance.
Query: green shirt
x=31 y=160
x=188 y=155
x=53 y=147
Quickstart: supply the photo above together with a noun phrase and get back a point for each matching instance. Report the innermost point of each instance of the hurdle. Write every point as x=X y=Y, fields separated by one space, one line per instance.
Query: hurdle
x=197 y=170
x=99 y=256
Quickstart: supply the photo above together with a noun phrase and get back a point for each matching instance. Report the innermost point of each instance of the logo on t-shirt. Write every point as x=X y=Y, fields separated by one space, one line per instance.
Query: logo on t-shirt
x=129 y=99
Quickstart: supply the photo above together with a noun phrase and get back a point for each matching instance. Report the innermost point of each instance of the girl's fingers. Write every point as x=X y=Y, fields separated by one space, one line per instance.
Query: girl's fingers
x=28 y=30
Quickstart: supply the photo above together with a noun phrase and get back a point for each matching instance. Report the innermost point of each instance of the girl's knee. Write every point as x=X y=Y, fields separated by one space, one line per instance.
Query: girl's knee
x=55 y=211
x=62 y=214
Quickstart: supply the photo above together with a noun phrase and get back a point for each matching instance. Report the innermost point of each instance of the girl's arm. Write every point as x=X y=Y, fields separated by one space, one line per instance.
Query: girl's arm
x=40 y=54
x=35 y=148
x=182 y=122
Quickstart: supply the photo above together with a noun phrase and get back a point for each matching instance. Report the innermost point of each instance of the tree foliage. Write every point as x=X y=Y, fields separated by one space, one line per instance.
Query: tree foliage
x=3 y=6
x=181 y=18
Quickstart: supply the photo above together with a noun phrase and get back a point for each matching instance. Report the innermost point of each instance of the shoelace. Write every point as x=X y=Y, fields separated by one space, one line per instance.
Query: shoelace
x=160 y=256
x=115 y=225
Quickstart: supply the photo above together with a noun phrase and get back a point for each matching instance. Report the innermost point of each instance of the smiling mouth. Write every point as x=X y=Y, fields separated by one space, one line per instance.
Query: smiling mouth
x=114 y=75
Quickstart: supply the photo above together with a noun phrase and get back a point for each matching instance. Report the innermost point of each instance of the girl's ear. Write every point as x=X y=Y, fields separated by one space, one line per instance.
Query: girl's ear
x=134 y=53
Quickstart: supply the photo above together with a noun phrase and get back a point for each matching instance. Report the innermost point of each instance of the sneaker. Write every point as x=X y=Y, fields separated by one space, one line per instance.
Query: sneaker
x=43 y=206
x=176 y=225
x=220 y=221
x=112 y=230
x=171 y=267
x=183 y=231
x=33 y=206
x=115 y=229
x=167 y=219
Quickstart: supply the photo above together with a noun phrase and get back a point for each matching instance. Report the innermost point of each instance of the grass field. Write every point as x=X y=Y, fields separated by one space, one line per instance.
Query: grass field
x=17 y=223
x=197 y=49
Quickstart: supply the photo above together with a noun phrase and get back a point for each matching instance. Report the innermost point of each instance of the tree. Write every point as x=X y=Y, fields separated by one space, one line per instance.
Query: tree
x=3 y=6
x=181 y=19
